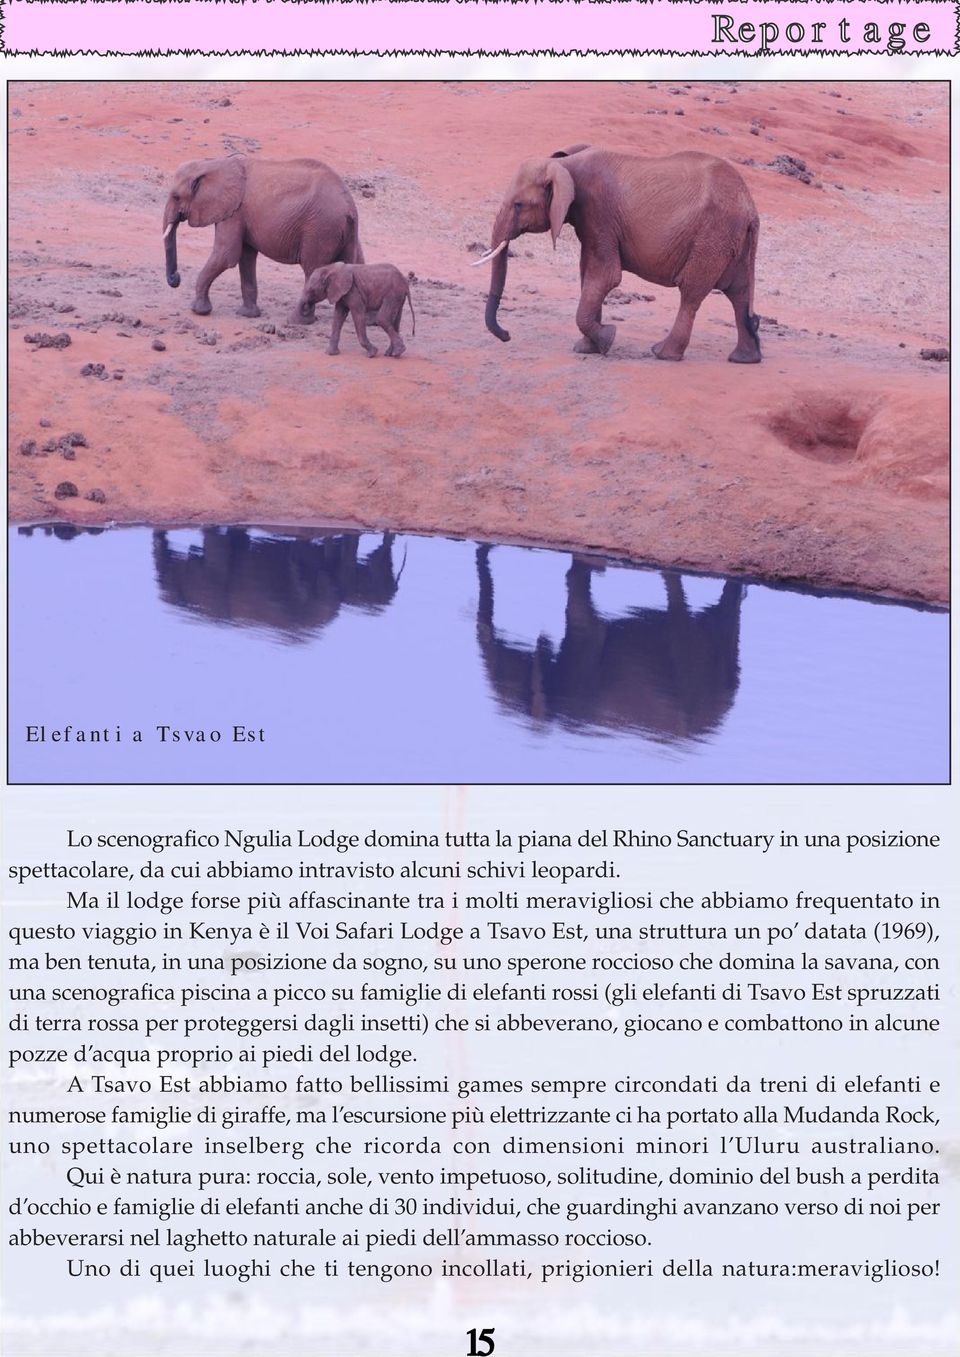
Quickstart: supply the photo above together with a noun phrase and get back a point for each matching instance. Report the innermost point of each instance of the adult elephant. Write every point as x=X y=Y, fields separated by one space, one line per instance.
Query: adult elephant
x=294 y=584
x=671 y=673
x=684 y=220
x=293 y=211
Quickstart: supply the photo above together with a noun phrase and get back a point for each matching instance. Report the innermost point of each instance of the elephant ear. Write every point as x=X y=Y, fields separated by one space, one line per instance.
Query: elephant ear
x=571 y=150
x=217 y=190
x=564 y=191
x=341 y=281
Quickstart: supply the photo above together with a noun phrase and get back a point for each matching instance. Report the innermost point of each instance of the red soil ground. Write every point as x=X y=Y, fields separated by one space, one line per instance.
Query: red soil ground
x=827 y=463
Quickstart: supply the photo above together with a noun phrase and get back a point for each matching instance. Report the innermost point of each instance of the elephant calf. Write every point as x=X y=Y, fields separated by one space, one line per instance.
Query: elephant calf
x=371 y=293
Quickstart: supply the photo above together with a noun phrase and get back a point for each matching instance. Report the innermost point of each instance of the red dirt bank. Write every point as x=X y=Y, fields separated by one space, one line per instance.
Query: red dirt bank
x=825 y=464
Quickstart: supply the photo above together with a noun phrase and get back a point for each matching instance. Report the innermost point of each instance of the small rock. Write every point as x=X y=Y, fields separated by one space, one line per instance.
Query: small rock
x=46 y=424
x=64 y=308
x=45 y=341
x=792 y=166
x=268 y=328
x=28 y=447
x=67 y=453
x=97 y=496
x=935 y=355
x=159 y=346
x=75 y=440
x=225 y=102
x=92 y=370
x=118 y=376
x=50 y=445
x=65 y=490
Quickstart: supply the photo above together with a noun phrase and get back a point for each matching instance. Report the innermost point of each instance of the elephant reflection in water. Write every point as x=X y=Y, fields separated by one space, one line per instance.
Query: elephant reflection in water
x=66 y=532
x=295 y=584
x=669 y=672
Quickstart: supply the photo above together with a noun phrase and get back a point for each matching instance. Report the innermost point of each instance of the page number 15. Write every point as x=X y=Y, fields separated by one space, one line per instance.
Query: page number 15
x=481 y=1344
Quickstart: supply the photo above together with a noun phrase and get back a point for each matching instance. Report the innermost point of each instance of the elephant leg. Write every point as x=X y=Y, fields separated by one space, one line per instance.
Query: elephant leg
x=387 y=319
x=359 y=312
x=339 y=316
x=227 y=248
x=673 y=347
x=580 y=613
x=485 y=602
x=597 y=278
x=347 y=566
x=248 y=282
x=309 y=315
x=748 y=343
x=580 y=657
x=676 y=597
x=701 y=274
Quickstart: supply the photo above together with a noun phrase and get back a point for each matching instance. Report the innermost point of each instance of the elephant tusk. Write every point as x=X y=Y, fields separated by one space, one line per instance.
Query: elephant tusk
x=168 y=229
x=490 y=254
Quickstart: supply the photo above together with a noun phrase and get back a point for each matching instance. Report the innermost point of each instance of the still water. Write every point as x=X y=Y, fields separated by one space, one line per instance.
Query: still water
x=371 y=658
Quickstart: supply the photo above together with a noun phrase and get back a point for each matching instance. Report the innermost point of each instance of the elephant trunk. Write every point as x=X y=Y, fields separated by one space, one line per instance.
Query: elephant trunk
x=170 y=221
x=502 y=234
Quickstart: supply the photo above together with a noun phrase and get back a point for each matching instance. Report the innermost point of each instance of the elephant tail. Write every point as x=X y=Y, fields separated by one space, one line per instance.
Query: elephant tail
x=413 y=313
x=750 y=249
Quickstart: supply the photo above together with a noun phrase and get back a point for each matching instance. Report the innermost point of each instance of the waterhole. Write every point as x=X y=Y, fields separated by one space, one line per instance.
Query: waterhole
x=374 y=658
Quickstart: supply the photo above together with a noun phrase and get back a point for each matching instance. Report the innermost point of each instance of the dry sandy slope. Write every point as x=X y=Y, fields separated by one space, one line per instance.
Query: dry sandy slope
x=827 y=463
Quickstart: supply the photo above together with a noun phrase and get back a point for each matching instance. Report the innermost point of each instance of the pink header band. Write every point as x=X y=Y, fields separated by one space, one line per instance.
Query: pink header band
x=480 y=27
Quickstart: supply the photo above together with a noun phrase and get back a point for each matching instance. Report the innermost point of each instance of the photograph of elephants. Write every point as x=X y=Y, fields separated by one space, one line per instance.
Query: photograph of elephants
x=654 y=487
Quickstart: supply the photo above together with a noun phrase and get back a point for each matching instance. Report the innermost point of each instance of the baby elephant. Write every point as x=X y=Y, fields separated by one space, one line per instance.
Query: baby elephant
x=372 y=293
